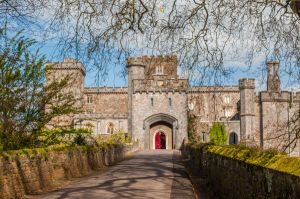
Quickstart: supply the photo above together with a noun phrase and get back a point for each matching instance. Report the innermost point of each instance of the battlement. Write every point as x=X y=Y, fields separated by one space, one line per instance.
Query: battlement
x=212 y=89
x=166 y=85
x=66 y=64
x=283 y=96
x=113 y=90
x=247 y=83
x=100 y=116
x=143 y=60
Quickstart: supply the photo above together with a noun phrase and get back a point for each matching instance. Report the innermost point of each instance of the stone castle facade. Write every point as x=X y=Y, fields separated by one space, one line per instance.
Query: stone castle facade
x=157 y=102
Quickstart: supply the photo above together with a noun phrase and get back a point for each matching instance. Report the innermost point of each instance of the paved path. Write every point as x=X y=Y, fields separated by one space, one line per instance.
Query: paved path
x=149 y=174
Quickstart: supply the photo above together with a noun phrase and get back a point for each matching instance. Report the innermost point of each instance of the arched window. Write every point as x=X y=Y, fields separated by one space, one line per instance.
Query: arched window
x=233 y=138
x=110 y=128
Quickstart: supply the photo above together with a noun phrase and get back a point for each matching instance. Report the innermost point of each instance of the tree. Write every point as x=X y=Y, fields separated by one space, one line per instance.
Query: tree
x=24 y=94
x=294 y=131
x=218 y=134
x=204 y=34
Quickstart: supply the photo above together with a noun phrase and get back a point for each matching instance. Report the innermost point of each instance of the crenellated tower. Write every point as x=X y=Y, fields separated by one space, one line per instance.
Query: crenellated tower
x=56 y=71
x=157 y=100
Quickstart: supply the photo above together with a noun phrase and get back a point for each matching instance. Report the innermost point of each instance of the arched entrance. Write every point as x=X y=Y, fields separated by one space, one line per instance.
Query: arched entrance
x=233 y=138
x=160 y=128
x=160 y=140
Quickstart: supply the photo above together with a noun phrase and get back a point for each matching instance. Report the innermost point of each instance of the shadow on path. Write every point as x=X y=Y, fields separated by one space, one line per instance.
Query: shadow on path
x=149 y=174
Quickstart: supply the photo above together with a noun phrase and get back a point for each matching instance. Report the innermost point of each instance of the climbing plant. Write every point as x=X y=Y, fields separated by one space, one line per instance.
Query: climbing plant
x=218 y=134
x=192 y=133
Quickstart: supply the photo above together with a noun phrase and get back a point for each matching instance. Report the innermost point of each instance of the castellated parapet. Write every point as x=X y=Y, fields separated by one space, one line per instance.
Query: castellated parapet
x=67 y=64
x=283 y=96
x=164 y=85
x=247 y=83
x=154 y=66
x=171 y=59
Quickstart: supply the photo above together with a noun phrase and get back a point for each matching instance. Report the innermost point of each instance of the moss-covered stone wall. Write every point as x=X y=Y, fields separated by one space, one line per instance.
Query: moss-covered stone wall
x=35 y=171
x=235 y=172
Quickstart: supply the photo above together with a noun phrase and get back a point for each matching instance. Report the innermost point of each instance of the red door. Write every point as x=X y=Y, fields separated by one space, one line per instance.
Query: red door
x=157 y=141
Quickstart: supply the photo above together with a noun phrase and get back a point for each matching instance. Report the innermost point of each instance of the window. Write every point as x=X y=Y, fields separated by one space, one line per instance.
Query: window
x=159 y=70
x=227 y=99
x=151 y=101
x=203 y=136
x=89 y=99
x=227 y=112
x=110 y=128
x=170 y=102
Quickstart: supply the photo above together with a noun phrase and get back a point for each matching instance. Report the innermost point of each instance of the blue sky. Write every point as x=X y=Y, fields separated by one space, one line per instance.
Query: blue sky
x=113 y=77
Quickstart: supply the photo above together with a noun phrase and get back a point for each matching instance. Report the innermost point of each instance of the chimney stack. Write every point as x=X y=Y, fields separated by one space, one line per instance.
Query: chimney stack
x=273 y=80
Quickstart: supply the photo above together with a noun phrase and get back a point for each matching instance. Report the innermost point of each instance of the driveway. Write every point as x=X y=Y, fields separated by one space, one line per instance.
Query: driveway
x=149 y=174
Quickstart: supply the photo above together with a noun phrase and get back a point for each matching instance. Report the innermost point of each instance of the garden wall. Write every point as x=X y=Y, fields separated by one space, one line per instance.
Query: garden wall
x=240 y=172
x=35 y=171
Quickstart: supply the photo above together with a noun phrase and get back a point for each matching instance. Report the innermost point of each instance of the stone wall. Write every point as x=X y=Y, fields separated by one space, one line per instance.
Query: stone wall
x=106 y=100
x=276 y=110
x=238 y=172
x=40 y=170
x=214 y=103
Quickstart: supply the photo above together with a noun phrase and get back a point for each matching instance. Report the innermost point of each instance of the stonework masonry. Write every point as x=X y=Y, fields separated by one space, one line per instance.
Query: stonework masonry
x=157 y=99
x=32 y=172
x=234 y=173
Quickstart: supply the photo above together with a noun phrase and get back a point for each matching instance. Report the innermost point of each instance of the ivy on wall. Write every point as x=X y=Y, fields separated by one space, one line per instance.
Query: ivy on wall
x=218 y=134
x=192 y=128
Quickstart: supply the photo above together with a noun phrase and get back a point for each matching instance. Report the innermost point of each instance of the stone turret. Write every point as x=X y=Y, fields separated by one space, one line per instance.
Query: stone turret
x=273 y=80
x=136 y=70
x=247 y=97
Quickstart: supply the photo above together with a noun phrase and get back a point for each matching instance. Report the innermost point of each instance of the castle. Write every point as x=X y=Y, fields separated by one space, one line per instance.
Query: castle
x=155 y=107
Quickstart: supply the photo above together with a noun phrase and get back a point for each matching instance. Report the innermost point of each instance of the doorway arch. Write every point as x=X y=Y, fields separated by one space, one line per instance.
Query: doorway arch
x=233 y=138
x=160 y=123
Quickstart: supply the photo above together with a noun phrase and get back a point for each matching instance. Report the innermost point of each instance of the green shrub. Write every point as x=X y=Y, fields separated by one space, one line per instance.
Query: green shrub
x=218 y=134
x=64 y=136
x=51 y=137
x=115 y=138
x=81 y=136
